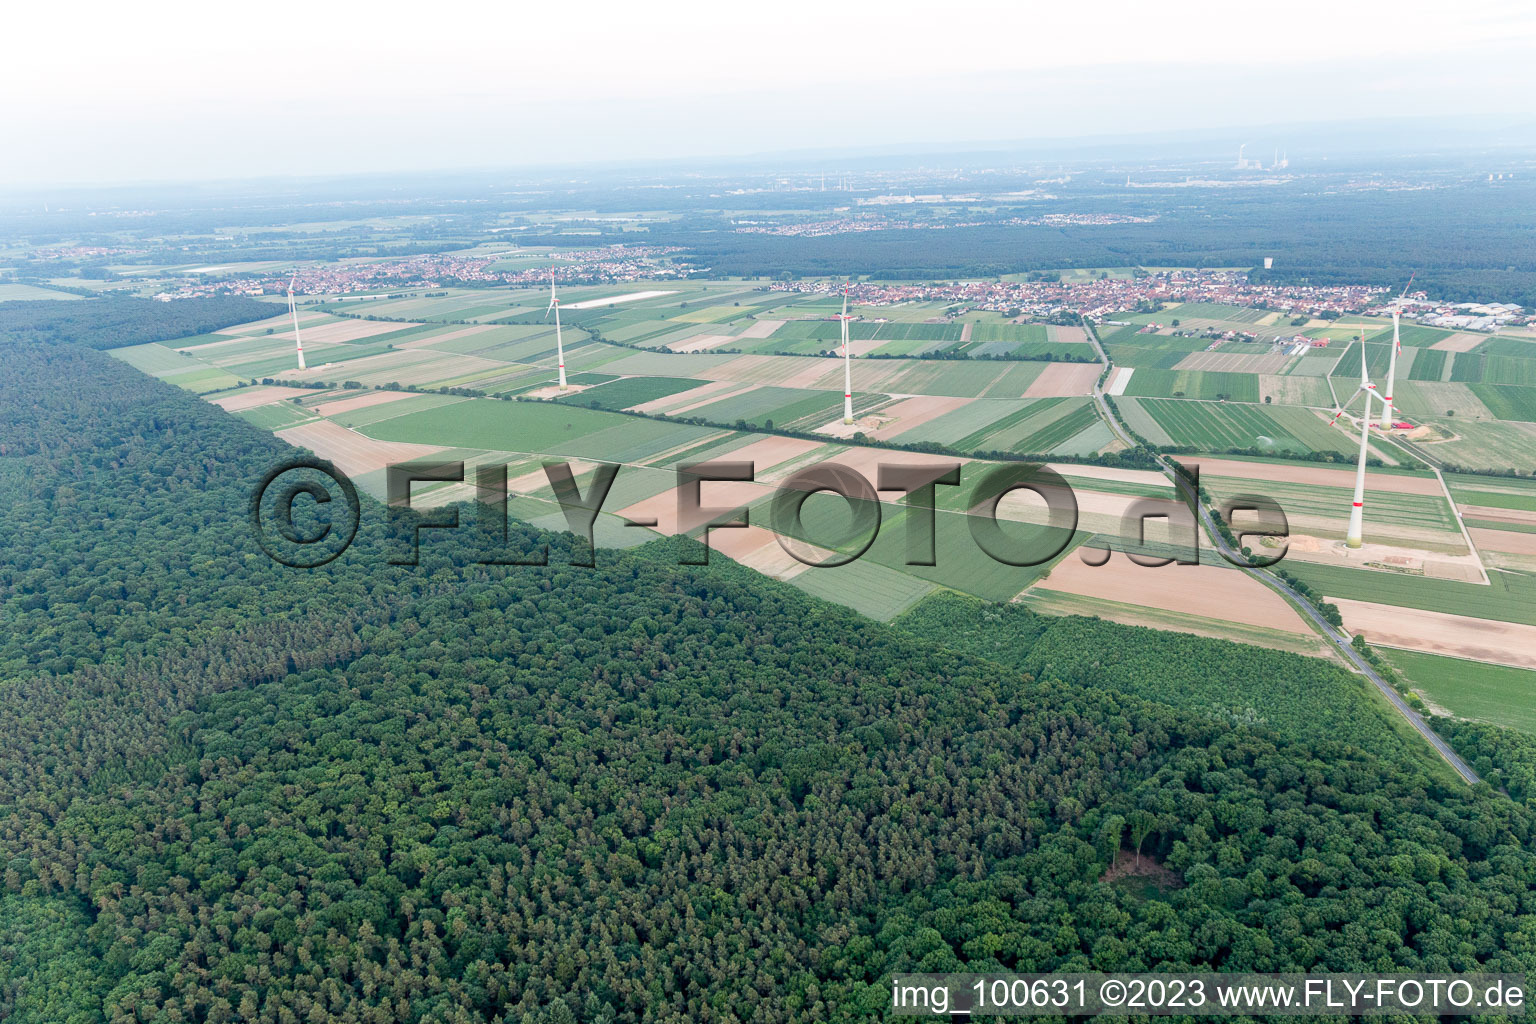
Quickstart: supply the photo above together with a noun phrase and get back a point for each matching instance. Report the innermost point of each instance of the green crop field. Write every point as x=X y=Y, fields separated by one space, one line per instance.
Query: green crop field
x=1153 y=351
x=1052 y=435
x=277 y=416
x=1420 y=337
x=1141 y=421
x=1472 y=689
x=973 y=421
x=1508 y=597
x=1429 y=364
x=865 y=586
x=623 y=392
x=1150 y=382
x=1499 y=444
x=1379 y=356
x=202 y=381
x=1419 y=511
x=1211 y=311
x=27 y=292
x=546 y=427
x=1217 y=426
x=984 y=332
x=983 y=437
x=1507 y=403
x=1504 y=346
x=1479 y=491
x=156 y=359
x=763 y=404
x=1478 y=368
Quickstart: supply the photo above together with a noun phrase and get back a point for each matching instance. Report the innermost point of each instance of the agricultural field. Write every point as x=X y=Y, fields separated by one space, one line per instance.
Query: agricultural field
x=1149 y=382
x=1217 y=426
x=688 y=352
x=1470 y=689
x=29 y=292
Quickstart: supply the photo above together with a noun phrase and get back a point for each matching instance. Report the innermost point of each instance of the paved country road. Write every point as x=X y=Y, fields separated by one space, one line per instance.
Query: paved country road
x=1339 y=639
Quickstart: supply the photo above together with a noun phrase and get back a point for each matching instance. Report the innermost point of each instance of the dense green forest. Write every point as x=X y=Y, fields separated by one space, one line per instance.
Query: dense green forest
x=1306 y=698
x=119 y=320
x=236 y=792
x=1506 y=757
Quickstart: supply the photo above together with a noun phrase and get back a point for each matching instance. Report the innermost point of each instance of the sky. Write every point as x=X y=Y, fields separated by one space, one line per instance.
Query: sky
x=107 y=93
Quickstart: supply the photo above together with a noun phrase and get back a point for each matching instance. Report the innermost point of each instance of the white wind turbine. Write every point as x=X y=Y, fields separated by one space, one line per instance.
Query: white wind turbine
x=554 y=304
x=1388 y=411
x=1357 y=510
x=847 y=363
x=293 y=311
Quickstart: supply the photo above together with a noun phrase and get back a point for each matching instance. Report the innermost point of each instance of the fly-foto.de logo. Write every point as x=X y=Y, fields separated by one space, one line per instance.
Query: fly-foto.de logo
x=306 y=512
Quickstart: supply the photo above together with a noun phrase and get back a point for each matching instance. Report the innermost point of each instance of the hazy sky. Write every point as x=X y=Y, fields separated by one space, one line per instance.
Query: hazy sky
x=99 y=92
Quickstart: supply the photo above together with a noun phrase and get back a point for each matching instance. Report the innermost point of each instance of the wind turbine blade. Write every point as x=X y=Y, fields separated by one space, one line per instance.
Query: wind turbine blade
x=1347 y=403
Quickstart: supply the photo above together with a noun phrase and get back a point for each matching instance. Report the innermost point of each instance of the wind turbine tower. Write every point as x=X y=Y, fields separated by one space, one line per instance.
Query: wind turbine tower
x=554 y=305
x=1387 y=408
x=847 y=363
x=293 y=311
x=1357 y=510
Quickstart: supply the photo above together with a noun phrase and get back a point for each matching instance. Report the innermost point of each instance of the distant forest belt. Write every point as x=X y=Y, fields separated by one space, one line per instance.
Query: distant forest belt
x=1391 y=235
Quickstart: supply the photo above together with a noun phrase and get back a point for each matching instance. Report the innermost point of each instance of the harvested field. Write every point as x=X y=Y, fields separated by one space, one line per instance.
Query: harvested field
x=701 y=343
x=1204 y=590
x=1063 y=334
x=1459 y=342
x=1234 y=362
x=1502 y=515
x=683 y=404
x=614 y=300
x=1458 y=636
x=758 y=548
x=762 y=328
x=1508 y=541
x=339 y=332
x=1064 y=379
x=353 y=453
x=252 y=398
x=1317 y=476
x=362 y=401
x=910 y=413
x=1121 y=378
